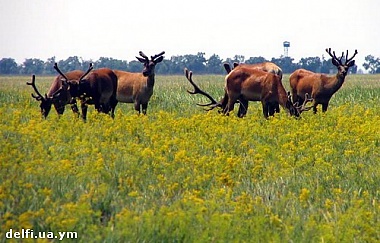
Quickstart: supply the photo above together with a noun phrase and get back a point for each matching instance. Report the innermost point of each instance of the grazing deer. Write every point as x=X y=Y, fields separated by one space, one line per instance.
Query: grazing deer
x=320 y=86
x=269 y=67
x=137 y=88
x=249 y=84
x=52 y=97
x=97 y=87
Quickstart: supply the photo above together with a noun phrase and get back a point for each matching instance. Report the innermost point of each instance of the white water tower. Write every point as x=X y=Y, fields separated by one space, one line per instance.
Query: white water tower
x=286 y=48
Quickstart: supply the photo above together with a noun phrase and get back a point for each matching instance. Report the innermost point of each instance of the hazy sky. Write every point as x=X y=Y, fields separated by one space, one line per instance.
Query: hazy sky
x=121 y=28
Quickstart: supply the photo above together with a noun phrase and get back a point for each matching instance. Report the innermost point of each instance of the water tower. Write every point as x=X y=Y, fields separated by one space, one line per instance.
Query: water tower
x=286 y=48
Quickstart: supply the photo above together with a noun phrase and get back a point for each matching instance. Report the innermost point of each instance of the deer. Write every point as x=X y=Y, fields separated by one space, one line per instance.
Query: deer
x=321 y=86
x=52 y=97
x=96 y=87
x=249 y=84
x=137 y=88
x=264 y=66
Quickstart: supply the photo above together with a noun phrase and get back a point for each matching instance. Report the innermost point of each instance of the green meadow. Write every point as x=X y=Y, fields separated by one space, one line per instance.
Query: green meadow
x=181 y=174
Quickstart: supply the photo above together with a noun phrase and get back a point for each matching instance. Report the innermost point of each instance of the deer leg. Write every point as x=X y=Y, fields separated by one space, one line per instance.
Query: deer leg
x=243 y=107
x=84 y=110
x=315 y=104
x=113 y=106
x=230 y=105
x=271 y=108
x=324 y=107
x=144 y=108
x=137 y=106
x=265 y=109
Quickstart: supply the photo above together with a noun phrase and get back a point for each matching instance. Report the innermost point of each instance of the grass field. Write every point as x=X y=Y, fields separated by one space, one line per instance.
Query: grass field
x=180 y=174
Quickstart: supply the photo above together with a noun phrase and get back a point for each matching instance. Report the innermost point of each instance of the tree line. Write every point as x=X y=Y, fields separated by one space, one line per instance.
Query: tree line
x=175 y=64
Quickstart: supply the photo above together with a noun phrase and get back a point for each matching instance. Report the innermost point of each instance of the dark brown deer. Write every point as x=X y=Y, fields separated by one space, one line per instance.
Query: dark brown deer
x=52 y=97
x=137 y=88
x=246 y=84
x=96 y=87
x=320 y=86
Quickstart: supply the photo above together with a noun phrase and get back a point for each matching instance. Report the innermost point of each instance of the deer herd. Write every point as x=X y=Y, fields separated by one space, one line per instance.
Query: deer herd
x=105 y=87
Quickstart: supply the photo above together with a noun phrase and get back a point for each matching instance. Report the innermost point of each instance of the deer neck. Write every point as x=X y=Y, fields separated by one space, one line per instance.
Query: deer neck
x=282 y=96
x=150 y=80
x=334 y=83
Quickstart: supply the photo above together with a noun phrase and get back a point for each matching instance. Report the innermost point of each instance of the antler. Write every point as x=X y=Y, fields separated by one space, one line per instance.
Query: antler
x=60 y=72
x=303 y=107
x=143 y=55
x=89 y=70
x=197 y=90
x=33 y=84
x=333 y=56
x=157 y=55
x=339 y=60
x=350 y=59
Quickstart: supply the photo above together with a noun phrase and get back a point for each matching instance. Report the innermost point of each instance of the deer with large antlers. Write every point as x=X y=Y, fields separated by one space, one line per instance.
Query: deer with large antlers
x=96 y=87
x=246 y=84
x=54 y=97
x=137 y=88
x=320 y=86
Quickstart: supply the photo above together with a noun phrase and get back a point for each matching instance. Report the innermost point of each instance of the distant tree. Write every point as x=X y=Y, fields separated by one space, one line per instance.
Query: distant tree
x=70 y=64
x=135 y=66
x=236 y=58
x=254 y=60
x=372 y=64
x=106 y=62
x=214 y=65
x=196 y=63
x=32 y=66
x=285 y=63
x=313 y=64
x=8 y=66
x=48 y=66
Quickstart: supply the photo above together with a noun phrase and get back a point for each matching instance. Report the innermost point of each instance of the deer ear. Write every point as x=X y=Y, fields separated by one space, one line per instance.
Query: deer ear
x=141 y=59
x=159 y=59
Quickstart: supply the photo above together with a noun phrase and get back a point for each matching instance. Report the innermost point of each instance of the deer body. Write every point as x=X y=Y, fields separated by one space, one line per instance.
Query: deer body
x=59 y=101
x=137 y=88
x=250 y=84
x=134 y=87
x=97 y=87
x=321 y=86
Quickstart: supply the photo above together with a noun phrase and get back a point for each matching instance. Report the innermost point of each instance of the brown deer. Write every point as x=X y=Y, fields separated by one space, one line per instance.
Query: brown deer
x=264 y=66
x=96 y=87
x=51 y=98
x=137 y=88
x=320 y=86
x=249 y=84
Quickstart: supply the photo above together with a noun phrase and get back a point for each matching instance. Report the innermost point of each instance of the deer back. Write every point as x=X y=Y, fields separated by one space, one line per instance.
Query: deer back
x=249 y=82
x=99 y=84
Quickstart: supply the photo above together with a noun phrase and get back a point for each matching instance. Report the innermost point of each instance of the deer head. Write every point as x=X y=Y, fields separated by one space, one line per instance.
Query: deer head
x=74 y=87
x=46 y=102
x=302 y=108
x=342 y=67
x=149 y=65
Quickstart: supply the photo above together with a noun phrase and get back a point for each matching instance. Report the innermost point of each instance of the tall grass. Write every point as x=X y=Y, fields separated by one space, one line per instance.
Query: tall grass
x=181 y=174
